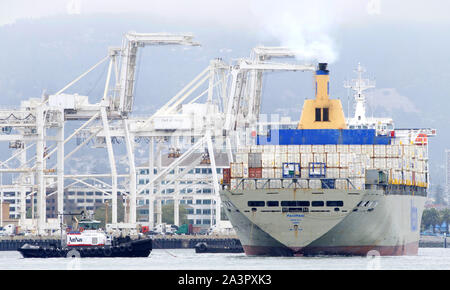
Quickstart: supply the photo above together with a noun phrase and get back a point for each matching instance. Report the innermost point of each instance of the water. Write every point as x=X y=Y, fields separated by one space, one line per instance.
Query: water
x=187 y=259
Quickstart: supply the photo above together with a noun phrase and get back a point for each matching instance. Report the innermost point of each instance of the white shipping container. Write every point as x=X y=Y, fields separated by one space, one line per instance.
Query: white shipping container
x=315 y=184
x=355 y=149
x=379 y=163
x=305 y=148
x=319 y=157
x=368 y=150
x=294 y=157
x=256 y=149
x=341 y=184
x=332 y=159
x=278 y=173
x=379 y=150
x=293 y=149
x=330 y=148
x=358 y=183
x=268 y=159
x=281 y=149
x=392 y=163
x=278 y=162
x=342 y=148
x=344 y=159
x=332 y=172
x=234 y=183
x=268 y=173
x=237 y=170
x=343 y=172
x=305 y=159
x=318 y=148
x=304 y=173
x=242 y=158
x=245 y=170
x=268 y=149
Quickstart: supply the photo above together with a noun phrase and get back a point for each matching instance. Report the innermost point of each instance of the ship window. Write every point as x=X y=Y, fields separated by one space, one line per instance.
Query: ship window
x=256 y=203
x=317 y=203
x=335 y=203
x=273 y=203
x=295 y=203
x=325 y=115
x=288 y=203
x=318 y=117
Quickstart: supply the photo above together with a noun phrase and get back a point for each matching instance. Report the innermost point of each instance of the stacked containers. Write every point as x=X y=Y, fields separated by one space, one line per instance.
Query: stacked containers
x=404 y=163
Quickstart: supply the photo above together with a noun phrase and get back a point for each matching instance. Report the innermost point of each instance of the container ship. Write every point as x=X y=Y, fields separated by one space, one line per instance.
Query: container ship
x=332 y=186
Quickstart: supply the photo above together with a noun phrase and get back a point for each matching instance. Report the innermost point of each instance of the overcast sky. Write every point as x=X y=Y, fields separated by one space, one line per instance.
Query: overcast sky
x=307 y=26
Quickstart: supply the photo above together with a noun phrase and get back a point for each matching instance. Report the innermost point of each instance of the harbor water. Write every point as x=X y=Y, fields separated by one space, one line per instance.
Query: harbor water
x=187 y=259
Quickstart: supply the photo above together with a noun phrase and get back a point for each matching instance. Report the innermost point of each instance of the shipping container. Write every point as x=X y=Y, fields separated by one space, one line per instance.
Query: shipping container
x=242 y=158
x=268 y=159
x=255 y=172
x=255 y=160
x=226 y=175
x=268 y=173
x=305 y=159
x=332 y=172
x=305 y=148
x=342 y=148
x=237 y=170
x=317 y=170
x=291 y=170
x=332 y=159
x=330 y=149
x=319 y=157
x=379 y=163
x=379 y=151
x=355 y=149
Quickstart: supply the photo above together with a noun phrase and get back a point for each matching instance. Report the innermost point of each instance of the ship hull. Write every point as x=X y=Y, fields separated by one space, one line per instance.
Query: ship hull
x=134 y=248
x=369 y=222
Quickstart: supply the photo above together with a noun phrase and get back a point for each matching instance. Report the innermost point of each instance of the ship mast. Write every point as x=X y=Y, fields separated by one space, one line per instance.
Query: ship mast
x=359 y=85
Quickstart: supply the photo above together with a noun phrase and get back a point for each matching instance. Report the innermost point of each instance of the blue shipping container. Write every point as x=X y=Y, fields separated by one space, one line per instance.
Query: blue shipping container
x=323 y=137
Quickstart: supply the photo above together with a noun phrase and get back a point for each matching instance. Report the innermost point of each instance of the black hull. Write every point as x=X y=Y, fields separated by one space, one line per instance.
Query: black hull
x=136 y=248
x=204 y=248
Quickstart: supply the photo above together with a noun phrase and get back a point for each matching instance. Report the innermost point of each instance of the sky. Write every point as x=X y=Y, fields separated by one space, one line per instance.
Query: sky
x=402 y=44
x=305 y=25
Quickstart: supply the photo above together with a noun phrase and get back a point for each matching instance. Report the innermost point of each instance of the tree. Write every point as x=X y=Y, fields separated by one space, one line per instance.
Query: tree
x=100 y=212
x=430 y=217
x=445 y=217
x=168 y=214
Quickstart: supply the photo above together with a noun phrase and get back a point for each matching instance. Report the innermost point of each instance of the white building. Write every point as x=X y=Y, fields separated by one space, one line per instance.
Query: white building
x=194 y=189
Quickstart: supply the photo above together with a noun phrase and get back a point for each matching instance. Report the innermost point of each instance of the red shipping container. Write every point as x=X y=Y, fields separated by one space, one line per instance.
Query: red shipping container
x=255 y=172
x=226 y=176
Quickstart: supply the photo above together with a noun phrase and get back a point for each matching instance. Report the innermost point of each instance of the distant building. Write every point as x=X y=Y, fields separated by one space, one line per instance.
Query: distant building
x=447 y=174
x=195 y=188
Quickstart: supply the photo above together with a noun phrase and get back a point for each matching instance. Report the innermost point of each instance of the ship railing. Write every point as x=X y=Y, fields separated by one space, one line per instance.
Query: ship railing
x=269 y=183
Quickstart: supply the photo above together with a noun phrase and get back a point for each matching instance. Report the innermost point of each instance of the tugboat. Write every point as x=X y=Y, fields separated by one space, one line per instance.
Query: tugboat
x=90 y=241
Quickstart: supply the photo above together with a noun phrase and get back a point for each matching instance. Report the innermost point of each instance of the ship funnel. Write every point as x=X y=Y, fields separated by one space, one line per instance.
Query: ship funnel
x=322 y=69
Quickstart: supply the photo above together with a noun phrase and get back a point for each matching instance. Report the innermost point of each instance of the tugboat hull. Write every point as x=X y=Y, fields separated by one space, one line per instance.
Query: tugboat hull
x=136 y=248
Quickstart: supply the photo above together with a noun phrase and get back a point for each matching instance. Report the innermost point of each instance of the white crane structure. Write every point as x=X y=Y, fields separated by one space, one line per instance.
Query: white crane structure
x=233 y=98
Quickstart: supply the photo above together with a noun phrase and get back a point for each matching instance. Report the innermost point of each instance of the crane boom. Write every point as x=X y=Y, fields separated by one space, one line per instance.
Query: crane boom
x=133 y=40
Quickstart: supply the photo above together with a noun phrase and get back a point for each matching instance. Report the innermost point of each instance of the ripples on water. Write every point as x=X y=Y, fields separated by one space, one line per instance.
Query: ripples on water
x=187 y=259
